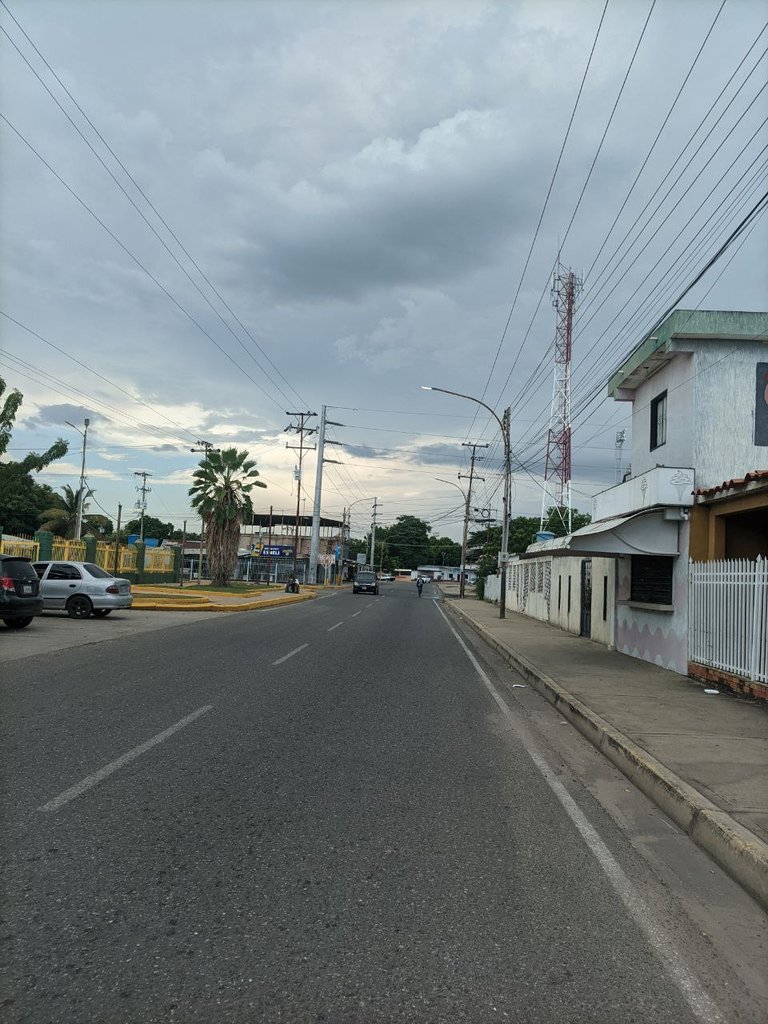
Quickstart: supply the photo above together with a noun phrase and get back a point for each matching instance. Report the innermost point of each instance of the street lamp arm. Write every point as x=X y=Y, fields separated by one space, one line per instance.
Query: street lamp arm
x=469 y=398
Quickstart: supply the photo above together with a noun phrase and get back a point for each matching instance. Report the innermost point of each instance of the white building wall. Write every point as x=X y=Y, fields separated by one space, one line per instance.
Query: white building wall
x=724 y=411
x=603 y=600
x=660 y=637
x=675 y=379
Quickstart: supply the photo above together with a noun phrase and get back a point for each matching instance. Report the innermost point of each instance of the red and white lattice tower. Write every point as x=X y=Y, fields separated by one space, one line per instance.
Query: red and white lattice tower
x=557 y=471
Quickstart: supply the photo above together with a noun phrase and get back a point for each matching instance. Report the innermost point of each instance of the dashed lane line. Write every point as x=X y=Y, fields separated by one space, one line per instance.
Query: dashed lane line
x=92 y=780
x=290 y=654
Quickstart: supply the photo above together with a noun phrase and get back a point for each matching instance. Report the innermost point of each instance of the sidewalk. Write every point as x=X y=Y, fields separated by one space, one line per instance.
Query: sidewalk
x=702 y=758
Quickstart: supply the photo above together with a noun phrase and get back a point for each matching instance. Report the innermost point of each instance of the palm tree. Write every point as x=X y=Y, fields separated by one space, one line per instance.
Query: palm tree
x=61 y=519
x=221 y=496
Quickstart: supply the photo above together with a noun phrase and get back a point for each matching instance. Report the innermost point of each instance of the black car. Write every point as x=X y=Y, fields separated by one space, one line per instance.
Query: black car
x=365 y=583
x=20 y=599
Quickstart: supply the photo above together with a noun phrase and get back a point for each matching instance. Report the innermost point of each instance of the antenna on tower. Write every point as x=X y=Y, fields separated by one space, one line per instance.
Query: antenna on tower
x=557 y=469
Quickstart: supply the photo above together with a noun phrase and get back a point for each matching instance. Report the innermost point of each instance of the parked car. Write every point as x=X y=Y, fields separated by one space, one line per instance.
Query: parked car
x=386 y=577
x=82 y=589
x=20 y=599
x=365 y=582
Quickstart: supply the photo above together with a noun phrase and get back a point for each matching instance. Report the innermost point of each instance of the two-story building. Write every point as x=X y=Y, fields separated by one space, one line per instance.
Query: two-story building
x=698 y=490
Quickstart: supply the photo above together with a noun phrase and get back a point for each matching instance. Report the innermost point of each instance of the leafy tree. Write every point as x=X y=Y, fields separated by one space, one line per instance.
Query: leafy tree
x=407 y=542
x=153 y=528
x=22 y=499
x=443 y=551
x=221 y=496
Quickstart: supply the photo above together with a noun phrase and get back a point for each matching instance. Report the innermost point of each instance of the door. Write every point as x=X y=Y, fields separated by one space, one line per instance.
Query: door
x=586 y=597
x=60 y=584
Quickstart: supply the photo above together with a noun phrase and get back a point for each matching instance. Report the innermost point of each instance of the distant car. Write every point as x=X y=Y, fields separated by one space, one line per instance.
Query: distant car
x=82 y=589
x=20 y=599
x=387 y=577
x=365 y=583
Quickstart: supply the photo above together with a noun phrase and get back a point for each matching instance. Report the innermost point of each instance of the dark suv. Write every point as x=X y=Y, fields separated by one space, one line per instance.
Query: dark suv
x=365 y=583
x=20 y=599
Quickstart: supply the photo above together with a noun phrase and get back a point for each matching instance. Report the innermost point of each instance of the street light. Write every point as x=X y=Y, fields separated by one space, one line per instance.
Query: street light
x=504 y=427
x=465 y=495
x=81 y=492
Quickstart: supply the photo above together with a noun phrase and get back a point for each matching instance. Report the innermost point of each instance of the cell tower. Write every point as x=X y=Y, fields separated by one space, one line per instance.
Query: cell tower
x=557 y=471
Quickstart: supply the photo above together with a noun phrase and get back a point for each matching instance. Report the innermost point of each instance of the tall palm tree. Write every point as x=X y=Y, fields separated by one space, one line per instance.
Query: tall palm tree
x=221 y=496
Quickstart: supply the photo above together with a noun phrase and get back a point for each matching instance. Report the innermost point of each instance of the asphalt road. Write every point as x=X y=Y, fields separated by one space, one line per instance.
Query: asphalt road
x=335 y=812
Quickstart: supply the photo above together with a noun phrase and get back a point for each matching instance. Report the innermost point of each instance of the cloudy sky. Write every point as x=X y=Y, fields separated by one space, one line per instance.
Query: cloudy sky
x=218 y=212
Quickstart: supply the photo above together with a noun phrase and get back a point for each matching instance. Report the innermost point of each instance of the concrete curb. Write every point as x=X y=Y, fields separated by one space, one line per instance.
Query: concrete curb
x=737 y=850
x=196 y=606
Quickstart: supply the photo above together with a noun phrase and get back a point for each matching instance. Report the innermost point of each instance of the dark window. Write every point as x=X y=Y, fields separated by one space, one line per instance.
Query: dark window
x=559 y=591
x=18 y=569
x=59 y=571
x=605 y=598
x=96 y=571
x=659 y=420
x=651 y=579
x=40 y=568
x=569 y=594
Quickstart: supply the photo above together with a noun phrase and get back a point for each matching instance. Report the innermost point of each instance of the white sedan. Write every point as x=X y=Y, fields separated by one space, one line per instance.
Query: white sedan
x=81 y=589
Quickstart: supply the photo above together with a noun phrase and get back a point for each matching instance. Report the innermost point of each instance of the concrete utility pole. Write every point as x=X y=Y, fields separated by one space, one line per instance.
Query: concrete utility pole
x=314 y=547
x=376 y=507
x=206 y=447
x=474 y=447
x=141 y=504
x=81 y=490
x=302 y=430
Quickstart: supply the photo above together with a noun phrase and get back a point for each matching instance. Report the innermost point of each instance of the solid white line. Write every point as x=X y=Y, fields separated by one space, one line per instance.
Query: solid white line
x=290 y=654
x=331 y=628
x=698 y=1000
x=99 y=776
x=355 y=613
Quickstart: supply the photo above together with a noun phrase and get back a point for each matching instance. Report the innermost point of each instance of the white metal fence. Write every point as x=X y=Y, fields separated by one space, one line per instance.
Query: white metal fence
x=728 y=616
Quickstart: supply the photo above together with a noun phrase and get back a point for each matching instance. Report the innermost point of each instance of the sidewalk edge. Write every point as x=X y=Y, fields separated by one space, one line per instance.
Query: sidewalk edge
x=737 y=850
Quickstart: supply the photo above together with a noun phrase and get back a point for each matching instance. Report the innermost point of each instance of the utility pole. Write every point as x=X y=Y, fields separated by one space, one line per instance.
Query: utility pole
x=474 y=447
x=141 y=504
x=81 y=491
x=207 y=448
x=269 y=548
x=376 y=507
x=117 y=541
x=314 y=547
x=181 y=560
x=302 y=430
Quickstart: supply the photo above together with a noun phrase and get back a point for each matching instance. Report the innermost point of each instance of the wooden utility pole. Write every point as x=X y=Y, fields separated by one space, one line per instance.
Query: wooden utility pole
x=117 y=541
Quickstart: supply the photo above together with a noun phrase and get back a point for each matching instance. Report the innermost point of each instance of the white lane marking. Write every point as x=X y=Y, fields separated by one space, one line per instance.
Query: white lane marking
x=91 y=780
x=700 y=1003
x=331 y=628
x=355 y=613
x=290 y=654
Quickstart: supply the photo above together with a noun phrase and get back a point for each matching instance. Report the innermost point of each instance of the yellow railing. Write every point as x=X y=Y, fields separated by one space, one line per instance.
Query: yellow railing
x=68 y=550
x=127 y=559
x=158 y=560
x=23 y=547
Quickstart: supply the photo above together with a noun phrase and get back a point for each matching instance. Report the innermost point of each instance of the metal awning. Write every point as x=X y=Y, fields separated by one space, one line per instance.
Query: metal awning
x=650 y=532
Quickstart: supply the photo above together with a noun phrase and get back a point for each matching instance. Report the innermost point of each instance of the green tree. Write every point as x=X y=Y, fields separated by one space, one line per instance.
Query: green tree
x=407 y=542
x=443 y=551
x=22 y=499
x=221 y=496
x=153 y=528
